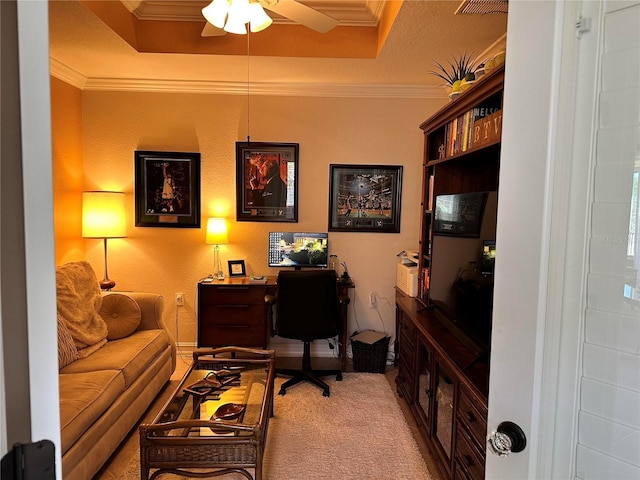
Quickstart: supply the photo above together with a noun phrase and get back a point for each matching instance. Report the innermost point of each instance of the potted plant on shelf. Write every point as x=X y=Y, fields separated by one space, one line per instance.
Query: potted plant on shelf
x=458 y=75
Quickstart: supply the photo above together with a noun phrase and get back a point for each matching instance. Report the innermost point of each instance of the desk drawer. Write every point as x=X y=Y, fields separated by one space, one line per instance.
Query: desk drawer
x=232 y=314
x=238 y=335
x=232 y=294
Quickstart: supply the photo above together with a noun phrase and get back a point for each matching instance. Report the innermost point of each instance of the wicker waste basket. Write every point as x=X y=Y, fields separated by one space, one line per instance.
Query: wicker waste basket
x=369 y=351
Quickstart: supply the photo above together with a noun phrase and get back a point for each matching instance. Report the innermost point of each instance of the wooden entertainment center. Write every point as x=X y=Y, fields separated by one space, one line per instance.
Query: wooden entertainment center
x=443 y=334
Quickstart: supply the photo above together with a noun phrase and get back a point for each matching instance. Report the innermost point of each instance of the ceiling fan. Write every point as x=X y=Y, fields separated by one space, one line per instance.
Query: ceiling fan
x=291 y=9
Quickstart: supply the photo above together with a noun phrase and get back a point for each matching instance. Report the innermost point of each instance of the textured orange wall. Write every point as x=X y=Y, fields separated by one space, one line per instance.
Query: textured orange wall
x=66 y=129
x=329 y=130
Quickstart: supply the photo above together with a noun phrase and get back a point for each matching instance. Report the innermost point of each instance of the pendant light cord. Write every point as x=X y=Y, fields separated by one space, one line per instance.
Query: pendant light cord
x=248 y=93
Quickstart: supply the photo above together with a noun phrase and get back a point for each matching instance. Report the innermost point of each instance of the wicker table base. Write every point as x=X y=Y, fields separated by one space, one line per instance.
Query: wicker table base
x=186 y=439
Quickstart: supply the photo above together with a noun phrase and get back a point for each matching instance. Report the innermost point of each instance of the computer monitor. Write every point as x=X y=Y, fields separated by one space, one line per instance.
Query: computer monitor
x=298 y=249
x=488 y=263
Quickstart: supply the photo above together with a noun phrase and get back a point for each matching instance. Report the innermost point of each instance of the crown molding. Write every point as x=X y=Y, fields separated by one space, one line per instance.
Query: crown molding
x=283 y=89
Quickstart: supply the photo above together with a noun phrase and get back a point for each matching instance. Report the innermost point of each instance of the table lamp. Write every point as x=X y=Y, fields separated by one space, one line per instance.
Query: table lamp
x=103 y=216
x=216 y=236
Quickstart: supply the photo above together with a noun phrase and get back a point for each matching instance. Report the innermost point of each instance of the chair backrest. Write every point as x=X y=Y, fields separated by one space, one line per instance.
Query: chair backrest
x=307 y=305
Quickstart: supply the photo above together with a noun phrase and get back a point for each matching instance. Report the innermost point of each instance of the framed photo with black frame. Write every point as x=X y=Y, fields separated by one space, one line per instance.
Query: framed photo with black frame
x=267 y=182
x=167 y=189
x=365 y=198
x=237 y=268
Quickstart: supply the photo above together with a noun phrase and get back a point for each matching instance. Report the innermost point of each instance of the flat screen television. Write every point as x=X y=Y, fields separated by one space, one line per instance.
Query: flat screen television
x=459 y=214
x=298 y=249
x=462 y=270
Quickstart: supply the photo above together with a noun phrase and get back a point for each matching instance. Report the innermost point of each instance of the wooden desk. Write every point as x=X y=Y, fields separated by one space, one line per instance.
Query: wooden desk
x=232 y=312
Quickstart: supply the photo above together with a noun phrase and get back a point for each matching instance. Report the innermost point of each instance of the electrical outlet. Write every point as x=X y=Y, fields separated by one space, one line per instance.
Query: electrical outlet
x=373 y=300
x=179 y=299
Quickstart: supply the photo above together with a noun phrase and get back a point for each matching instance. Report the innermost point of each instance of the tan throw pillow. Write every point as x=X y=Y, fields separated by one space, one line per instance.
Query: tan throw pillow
x=67 y=351
x=122 y=315
x=79 y=299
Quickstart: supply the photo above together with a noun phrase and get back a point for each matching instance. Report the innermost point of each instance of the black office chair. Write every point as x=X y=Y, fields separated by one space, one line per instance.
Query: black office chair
x=307 y=307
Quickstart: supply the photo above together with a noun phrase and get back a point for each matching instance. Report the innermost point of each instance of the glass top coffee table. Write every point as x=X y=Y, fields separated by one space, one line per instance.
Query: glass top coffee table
x=216 y=421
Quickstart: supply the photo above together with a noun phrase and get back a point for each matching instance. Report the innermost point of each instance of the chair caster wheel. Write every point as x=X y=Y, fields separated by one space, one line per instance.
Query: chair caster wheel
x=339 y=377
x=325 y=393
x=282 y=392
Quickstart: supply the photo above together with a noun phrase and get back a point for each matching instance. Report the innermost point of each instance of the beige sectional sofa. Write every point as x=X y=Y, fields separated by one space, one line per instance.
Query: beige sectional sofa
x=104 y=393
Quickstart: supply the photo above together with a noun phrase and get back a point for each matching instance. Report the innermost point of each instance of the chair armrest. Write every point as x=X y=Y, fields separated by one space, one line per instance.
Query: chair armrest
x=270 y=299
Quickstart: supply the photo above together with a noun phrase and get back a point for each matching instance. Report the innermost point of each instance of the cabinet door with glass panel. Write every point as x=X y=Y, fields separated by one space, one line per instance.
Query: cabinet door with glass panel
x=444 y=394
x=425 y=388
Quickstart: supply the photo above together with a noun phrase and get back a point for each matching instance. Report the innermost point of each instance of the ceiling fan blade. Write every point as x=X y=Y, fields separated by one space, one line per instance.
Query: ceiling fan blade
x=302 y=14
x=211 y=31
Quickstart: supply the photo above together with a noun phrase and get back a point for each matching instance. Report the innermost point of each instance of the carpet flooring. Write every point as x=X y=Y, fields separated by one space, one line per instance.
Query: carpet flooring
x=357 y=432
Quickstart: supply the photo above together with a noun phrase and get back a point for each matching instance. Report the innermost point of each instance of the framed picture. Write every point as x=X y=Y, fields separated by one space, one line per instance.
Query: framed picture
x=236 y=268
x=267 y=182
x=459 y=214
x=365 y=198
x=167 y=189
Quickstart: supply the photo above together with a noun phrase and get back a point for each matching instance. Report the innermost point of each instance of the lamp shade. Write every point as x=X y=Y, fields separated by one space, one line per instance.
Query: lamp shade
x=259 y=20
x=216 y=232
x=216 y=12
x=103 y=215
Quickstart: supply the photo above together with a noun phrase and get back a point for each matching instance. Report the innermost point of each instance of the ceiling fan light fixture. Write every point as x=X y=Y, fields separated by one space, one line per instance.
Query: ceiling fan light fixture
x=238 y=17
x=216 y=12
x=258 y=18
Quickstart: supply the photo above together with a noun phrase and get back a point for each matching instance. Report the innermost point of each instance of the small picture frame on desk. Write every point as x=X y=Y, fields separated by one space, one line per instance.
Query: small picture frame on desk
x=237 y=268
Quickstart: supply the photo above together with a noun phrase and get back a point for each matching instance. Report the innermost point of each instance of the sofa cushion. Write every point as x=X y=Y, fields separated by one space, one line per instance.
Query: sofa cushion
x=131 y=354
x=78 y=301
x=83 y=398
x=67 y=351
x=122 y=315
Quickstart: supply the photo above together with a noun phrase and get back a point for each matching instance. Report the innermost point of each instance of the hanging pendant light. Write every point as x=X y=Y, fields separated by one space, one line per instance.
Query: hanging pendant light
x=233 y=15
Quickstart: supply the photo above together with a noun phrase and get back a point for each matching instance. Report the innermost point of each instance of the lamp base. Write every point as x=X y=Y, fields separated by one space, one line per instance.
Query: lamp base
x=107 y=284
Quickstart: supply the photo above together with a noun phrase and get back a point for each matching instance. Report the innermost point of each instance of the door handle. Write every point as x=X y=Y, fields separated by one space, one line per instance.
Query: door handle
x=509 y=438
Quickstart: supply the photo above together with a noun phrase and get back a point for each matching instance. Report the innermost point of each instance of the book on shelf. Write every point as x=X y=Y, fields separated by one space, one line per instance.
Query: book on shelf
x=488 y=129
x=464 y=132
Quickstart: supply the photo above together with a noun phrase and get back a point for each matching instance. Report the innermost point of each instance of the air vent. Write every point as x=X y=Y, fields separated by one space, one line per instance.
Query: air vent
x=482 y=7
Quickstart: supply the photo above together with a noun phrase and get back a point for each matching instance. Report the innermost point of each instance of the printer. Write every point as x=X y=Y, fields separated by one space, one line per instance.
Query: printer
x=407 y=272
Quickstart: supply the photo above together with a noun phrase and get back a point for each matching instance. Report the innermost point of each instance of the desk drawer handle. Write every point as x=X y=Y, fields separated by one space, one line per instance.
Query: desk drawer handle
x=470 y=416
x=235 y=288
x=233 y=305
x=233 y=327
x=468 y=460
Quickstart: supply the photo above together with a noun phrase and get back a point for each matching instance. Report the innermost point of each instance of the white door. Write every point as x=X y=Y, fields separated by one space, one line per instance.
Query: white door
x=565 y=361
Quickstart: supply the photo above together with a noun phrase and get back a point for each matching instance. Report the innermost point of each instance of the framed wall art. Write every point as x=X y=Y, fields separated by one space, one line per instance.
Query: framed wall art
x=267 y=182
x=237 y=268
x=365 y=198
x=167 y=189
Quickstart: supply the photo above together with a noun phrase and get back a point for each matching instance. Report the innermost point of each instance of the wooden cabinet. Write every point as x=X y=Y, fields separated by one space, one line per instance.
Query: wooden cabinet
x=406 y=351
x=233 y=312
x=471 y=432
x=443 y=339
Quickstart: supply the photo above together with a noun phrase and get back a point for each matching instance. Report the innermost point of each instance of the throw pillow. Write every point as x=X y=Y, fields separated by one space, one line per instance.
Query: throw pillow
x=121 y=314
x=67 y=351
x=79 y=300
